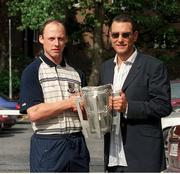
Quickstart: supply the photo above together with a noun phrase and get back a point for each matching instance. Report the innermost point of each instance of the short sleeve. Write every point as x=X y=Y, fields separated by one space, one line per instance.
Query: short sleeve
x=30 y=89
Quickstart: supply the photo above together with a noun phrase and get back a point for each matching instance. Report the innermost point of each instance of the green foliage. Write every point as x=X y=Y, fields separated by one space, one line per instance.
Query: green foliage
x=4 y=82
x=156 y=20
x=19 y=62
x=34 y=13
x=154 y=17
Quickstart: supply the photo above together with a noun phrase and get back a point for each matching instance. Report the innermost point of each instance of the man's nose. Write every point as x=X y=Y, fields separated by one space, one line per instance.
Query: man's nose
x=56 y=42
x=120 y=38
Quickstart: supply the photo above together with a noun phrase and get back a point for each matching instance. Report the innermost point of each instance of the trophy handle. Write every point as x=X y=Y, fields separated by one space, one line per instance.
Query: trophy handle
x=83 y=122
x=96 y=118
x=116 y=118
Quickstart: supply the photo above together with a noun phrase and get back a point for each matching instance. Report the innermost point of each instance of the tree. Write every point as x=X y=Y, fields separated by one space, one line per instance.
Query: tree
x=158 y=21
x=4 y=34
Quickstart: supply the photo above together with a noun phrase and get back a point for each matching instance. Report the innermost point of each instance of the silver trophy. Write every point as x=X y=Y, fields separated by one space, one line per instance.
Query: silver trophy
x=96 y=99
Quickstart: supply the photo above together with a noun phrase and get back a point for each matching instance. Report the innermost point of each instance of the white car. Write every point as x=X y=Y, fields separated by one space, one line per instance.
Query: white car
x=172 y=120
x=167 y=122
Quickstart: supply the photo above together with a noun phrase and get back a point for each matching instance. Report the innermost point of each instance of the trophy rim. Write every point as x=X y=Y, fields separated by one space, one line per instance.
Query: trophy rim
x=96 y=89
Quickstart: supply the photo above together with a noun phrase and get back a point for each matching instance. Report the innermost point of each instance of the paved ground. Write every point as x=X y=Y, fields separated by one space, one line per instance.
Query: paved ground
x=14 y=153
x=14 y=150
x=96 y=148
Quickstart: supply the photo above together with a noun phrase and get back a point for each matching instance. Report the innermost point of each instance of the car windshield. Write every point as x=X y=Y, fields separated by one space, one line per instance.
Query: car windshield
x=175 y=90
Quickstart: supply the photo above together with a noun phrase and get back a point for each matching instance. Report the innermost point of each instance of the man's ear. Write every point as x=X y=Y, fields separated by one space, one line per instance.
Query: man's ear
x=41 y=40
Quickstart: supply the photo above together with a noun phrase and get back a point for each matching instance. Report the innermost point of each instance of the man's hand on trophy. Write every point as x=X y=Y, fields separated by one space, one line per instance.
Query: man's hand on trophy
x=72 y=103
x=82 y=107
x=73 y=99
x=124 y=102
x=118 y=102
x=111 y=98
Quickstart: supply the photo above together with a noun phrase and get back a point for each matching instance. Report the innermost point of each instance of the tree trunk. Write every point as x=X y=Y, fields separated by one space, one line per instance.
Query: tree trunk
x=3 y=35
x=97 y=50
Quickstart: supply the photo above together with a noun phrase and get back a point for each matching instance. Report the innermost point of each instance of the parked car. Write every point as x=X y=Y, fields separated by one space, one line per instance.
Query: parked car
x=167 y=122
x=174 y=118
x=7 y=103
x=175 y=95
x=174 y=149
x=171 y=130
x=7 y=121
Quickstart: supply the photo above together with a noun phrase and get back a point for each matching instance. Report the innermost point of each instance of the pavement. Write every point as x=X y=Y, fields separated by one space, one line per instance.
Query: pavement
x=19 y=158
x=96 y=149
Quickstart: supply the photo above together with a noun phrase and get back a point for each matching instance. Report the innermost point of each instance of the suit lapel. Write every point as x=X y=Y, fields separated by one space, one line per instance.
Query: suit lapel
x=133 y=72
x=110 y=72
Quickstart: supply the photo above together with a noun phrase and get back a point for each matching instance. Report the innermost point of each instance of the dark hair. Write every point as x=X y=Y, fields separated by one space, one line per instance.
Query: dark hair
x=125 y=18
x=48 y=21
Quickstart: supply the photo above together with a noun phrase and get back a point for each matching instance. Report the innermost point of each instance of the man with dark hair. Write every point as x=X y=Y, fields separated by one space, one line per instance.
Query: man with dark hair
x=49 y=87
x=142 y=89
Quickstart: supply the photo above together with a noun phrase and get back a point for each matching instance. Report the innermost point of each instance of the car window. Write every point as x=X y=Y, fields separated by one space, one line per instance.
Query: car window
x=175 y=90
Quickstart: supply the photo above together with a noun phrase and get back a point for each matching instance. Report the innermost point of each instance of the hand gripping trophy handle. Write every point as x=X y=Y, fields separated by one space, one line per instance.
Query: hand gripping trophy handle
x=84 y=123
x=116 y=118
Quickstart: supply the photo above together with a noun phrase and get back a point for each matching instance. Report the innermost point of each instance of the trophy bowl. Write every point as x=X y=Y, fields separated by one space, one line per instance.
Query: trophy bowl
x=96 y=99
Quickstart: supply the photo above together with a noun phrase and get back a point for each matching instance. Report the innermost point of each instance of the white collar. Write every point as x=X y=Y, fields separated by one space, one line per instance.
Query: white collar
x=130 y=60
